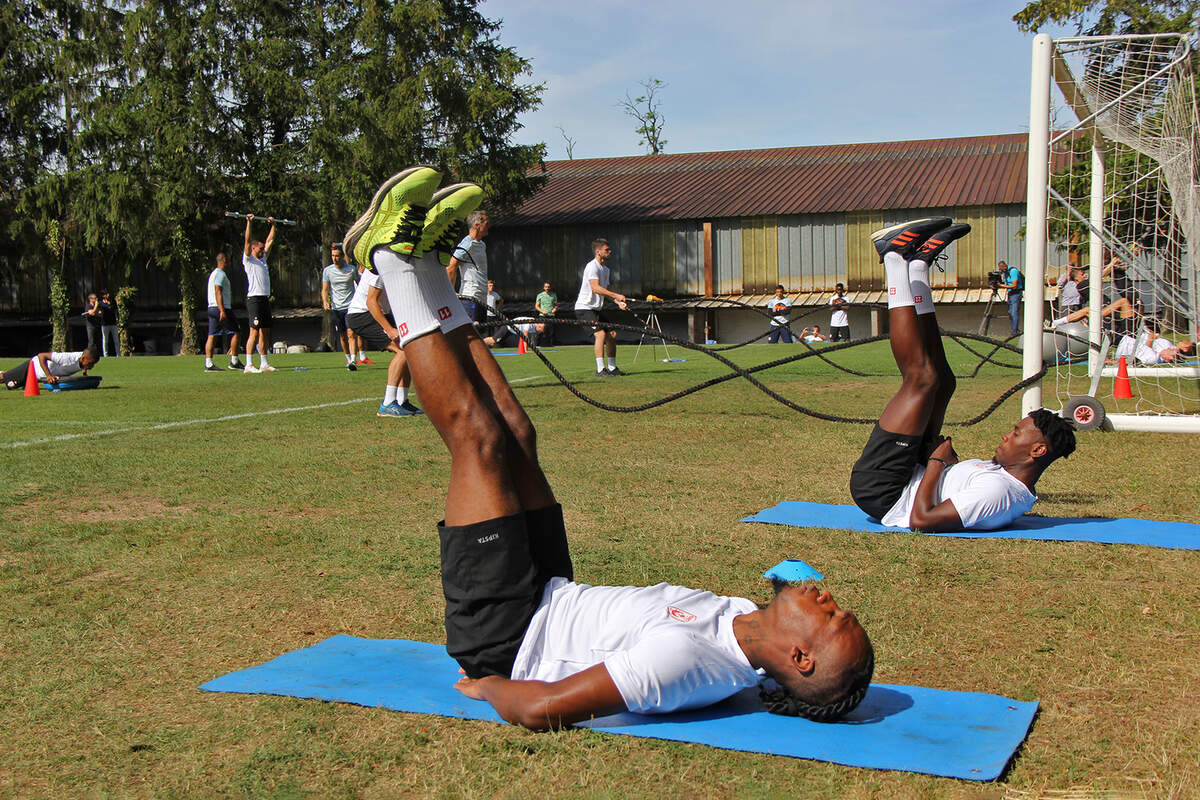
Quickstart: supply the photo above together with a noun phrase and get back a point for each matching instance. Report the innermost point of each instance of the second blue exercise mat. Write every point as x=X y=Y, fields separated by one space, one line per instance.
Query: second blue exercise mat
x=909 y=728
x=1152 y=533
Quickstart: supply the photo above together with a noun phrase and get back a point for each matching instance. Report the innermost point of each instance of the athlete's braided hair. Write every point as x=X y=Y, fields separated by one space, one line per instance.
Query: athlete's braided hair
x=781 y=700
x=1059 y=433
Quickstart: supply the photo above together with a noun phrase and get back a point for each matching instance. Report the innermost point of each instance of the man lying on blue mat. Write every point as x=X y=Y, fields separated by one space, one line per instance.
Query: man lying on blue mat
x=909 y=475
x=543 y=650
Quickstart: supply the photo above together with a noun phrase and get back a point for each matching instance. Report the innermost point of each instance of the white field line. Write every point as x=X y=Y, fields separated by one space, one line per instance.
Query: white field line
x=184 y=422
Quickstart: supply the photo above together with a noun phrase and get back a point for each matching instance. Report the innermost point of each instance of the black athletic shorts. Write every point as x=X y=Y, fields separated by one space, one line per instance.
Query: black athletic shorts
x=370 y=331
x=258 y=309
x=839 y=333
x=596 y=318
x=476 y=312
x=337 y=318
x=218 y=328
x=884 y=470
x=492 y=589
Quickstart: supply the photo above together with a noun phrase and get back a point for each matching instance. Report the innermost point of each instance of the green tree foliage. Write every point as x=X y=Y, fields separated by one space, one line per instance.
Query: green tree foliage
x=134 y=125
x=1111 y=17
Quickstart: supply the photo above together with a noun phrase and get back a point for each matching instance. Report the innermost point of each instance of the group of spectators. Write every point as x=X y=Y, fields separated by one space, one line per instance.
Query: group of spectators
x=839 y=320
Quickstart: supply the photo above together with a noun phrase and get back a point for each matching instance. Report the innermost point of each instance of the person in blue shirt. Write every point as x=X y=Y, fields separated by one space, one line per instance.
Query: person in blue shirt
x=1014 y=282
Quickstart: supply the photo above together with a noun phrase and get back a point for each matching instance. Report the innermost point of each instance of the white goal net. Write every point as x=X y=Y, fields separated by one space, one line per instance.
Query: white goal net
x=1114 y=203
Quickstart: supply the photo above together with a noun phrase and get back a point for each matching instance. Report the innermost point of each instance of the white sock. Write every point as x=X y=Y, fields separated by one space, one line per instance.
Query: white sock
x=362 y=355
x=349 y=358
x=401 y=394
x=207 y=361
x=1054 y=323
x=918 y=281
x=233 y=359
x=262 y=360
x=599 y=364
x=899 y=291
x=612 y=362
x=389 y=395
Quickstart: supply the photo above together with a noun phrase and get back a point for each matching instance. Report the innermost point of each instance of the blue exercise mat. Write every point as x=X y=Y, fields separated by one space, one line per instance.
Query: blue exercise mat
x=931 y=731
x=793 y=569
x=71 y=384
x=1152 y=533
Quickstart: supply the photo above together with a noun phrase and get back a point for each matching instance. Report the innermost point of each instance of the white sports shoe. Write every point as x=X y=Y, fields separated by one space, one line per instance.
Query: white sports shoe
x=266 y=368
x=251 y=370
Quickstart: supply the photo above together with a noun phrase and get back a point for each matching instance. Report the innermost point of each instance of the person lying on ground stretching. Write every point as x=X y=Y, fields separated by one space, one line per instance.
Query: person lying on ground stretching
x=543 y=650
x=908 y=475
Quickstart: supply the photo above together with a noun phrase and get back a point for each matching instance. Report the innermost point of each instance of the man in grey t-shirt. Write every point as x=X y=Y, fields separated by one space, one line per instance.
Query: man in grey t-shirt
x=337 y=289
x=469 y=262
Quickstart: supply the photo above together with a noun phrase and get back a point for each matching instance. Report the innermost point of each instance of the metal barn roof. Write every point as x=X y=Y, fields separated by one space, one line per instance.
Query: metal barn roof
x=929 y=173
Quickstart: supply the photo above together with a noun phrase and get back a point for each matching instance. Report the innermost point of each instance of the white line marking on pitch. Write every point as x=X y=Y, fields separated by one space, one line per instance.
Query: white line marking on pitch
x=181 y=423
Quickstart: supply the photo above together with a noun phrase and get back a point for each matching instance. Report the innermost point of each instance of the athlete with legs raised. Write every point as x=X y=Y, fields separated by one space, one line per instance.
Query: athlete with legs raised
x=543 y=650
x=908 y=474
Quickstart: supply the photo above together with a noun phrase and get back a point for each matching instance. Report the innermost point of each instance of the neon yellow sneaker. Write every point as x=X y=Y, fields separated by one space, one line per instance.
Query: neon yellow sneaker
x=396 y=215
x=443 y=228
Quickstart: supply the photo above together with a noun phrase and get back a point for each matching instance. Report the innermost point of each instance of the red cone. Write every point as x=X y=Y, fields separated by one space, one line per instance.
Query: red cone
x=32 y=389
x=520 y=344
x=1121 y=388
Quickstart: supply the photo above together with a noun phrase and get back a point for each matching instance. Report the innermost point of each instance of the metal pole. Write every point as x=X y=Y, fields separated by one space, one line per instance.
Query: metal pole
x=262 y=217
x=1095 y=254
x=1035 y=221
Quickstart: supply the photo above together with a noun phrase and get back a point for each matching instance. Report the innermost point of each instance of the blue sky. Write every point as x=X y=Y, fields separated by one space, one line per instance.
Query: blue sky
x=770 y=73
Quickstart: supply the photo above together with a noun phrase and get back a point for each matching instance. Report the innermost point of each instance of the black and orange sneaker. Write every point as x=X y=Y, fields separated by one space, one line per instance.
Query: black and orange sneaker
x=932 y=247
x=907 y=236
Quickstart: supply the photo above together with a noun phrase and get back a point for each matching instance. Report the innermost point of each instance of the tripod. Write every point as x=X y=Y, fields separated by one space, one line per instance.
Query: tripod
x=987 y=313
x=651 y=326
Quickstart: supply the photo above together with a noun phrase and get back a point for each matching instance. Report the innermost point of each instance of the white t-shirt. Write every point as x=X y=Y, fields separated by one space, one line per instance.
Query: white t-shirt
x=1068 y=291
x=218 y=278
x=472 y=268
x=367 y=281
x=839 y=318
x=341 y=284
x=780 y=318
x=493 y=303
x=1146 y=352
x=257 y=275
x=985 y=495
x=60 y=365
x=665 y=647
x=589 y=300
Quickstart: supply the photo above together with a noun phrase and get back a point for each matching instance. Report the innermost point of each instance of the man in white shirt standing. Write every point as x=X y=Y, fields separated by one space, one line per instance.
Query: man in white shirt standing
x=469 y=261
x=258 y=296
x=780 y=305
x=222 y=322
x=370 y=315
x=908 y=474
x=839 y=320
x=589 y=307
x=337 y=288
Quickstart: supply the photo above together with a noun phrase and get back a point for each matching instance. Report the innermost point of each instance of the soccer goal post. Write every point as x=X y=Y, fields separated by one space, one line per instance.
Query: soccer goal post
x=1114 y=191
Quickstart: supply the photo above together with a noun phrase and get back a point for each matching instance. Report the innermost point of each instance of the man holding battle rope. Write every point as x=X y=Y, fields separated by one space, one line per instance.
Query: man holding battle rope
x=909 y=475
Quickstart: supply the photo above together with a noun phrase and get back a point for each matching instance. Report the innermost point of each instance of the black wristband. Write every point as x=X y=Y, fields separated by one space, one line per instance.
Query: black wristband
x=941 y=461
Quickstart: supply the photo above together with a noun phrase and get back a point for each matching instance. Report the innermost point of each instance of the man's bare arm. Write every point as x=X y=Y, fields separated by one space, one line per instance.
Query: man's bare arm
x=270 y=238
x=600 y=290
x=925 y=514
x=325 y=295
x=543 y=706
x=376 y=311
x=246 y=240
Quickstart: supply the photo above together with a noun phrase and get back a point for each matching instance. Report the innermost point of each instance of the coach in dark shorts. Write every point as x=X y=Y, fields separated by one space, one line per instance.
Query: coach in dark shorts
x=599 y=320
x=259 y=310
x=223 y=327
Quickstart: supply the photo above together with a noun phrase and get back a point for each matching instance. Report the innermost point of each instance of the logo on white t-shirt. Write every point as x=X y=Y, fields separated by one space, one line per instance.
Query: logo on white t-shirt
x=680 y=614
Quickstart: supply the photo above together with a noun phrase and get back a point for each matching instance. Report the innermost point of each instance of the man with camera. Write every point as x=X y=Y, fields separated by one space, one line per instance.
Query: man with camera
x=1010 y=278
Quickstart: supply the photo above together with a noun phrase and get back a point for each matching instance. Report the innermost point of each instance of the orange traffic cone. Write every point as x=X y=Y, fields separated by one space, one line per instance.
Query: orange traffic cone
x=1121 y=388
x=32 y=389
x=520 y=344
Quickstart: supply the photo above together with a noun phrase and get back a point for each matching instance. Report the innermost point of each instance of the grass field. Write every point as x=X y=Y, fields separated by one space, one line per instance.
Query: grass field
x=169 y=528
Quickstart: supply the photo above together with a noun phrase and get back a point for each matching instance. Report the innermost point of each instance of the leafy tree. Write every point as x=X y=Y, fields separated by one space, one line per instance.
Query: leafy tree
x=1109 y=17
x=645 y=111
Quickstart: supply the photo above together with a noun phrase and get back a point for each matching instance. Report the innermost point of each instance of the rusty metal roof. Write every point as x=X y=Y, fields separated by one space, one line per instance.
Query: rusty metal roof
x=928 y=173
x=821 y=299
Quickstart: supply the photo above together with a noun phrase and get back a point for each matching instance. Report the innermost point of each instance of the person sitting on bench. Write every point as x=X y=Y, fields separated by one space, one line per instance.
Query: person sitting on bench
x=909 y=475
x=543 y=650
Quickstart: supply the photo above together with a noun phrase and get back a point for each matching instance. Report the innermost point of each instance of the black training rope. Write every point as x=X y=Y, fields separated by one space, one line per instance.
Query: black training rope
x=747 y=373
